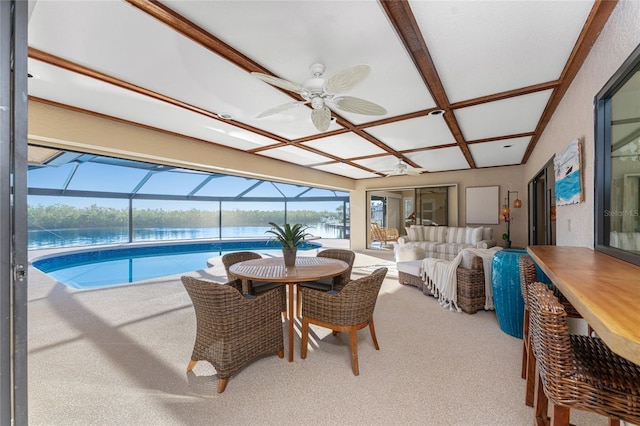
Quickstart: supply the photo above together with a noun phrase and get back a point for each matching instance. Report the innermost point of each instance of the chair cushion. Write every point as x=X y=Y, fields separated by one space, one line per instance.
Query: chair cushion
x=323 y=284
x=261 y=287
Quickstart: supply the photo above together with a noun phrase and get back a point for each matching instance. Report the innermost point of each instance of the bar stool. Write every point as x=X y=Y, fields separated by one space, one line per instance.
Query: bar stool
x=577 y=371
x=528 y=275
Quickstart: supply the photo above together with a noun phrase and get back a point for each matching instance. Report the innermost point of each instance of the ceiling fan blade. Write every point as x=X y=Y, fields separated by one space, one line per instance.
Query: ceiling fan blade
x=321 y=118
x=358 y=106
x=281 y=83
x=347 y=79
x=280 y=108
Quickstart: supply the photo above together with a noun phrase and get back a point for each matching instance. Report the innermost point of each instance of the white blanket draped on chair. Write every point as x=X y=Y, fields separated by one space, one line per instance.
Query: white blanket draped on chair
x=439 y=276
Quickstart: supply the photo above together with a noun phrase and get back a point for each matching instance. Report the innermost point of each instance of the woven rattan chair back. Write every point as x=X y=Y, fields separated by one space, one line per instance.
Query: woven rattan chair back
x=528 y=275
x=232 y=330
x=349 y=310
x=577 y=371
x=235 y=257
x=346 y=256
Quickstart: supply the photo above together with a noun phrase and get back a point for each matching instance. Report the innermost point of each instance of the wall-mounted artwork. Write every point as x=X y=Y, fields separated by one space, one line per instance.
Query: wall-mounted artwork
x=569 y=188
x=482 y=205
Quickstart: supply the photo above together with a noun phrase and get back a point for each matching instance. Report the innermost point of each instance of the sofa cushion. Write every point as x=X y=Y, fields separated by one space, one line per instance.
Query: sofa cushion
x=452 y=248
x=456 y=235
x=473 y=236
x=487 y=233
x=429 y=246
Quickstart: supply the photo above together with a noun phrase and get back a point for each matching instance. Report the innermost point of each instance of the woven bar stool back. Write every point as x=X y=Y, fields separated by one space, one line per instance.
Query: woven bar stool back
x=577 y=371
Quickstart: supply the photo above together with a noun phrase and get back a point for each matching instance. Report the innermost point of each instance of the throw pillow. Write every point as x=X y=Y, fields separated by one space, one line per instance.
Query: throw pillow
x=473 y=236
x=456 y=235
x=417 y=230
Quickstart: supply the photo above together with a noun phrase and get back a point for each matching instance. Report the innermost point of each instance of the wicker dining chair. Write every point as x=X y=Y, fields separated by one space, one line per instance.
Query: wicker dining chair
x=350 y=309
x=529 y=275
x=335 y=283
x=254 y=287
x=577 y=371
x=231 y=329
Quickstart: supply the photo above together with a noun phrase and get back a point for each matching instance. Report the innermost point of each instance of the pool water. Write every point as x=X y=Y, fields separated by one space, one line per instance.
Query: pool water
x=114 y=266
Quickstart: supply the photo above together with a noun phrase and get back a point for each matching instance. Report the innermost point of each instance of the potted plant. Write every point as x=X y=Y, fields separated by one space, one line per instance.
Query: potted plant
x=507 y=242
x=290 y=237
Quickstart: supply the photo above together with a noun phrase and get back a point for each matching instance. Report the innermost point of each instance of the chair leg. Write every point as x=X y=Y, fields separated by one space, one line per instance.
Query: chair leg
x=525 y=343
x=614 y=422
x=530 y=373
x=353 y=343
x=541 y=404
x=559 y=415
x=192 y=364
x=305 y=338
x=281 y=353
x=222 y=385
x=373 y=334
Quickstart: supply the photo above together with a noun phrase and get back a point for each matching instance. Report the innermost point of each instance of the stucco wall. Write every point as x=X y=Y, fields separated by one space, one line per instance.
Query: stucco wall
x=574 y=118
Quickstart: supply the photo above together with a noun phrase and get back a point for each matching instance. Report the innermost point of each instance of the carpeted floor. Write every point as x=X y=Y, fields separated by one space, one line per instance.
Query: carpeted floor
x=118 y=356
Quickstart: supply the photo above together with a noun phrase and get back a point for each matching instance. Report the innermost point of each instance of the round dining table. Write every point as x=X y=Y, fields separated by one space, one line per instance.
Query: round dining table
x=273 y=269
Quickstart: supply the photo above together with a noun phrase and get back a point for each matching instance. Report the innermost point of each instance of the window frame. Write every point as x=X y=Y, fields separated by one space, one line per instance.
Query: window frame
x=602 y=152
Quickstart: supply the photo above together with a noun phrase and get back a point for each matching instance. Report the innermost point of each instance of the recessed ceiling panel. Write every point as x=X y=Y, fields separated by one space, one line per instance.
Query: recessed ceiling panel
x=152 y=56
x=380 y=164
x=485 y=47
x=499 y=153
x=415 y=133
x=295 y=155
x=69 y=88
x=437 y=160
x=345 y=145
x=346 y=170
x=509 y=116
x=287 y=37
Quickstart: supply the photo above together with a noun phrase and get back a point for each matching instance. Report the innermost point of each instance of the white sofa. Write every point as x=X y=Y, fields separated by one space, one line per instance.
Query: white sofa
x=443 y=242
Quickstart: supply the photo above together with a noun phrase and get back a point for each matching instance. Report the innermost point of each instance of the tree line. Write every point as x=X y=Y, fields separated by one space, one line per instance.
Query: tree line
x=61 y=216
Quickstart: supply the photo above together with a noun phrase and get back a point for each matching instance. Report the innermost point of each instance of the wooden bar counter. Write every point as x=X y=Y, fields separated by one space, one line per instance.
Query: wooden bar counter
x=605 y=290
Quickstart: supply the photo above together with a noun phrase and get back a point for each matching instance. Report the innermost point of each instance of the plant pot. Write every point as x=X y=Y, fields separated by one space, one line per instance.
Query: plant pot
x=507 y=244
x=289 y=254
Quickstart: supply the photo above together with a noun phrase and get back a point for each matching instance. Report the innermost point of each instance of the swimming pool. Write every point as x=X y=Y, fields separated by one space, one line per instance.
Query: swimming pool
x=105 y=267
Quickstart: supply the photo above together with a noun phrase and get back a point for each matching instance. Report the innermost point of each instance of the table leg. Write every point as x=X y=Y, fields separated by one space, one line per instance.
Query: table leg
x=292 y=317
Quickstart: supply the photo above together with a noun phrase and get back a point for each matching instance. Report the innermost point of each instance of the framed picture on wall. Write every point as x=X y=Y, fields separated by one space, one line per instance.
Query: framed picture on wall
x=482 y=205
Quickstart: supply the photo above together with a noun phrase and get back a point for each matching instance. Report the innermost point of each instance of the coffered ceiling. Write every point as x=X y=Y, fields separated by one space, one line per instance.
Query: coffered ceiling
x=497 y=69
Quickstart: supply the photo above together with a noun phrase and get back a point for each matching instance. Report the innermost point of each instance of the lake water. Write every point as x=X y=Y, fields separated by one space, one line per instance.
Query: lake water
x=41 y=239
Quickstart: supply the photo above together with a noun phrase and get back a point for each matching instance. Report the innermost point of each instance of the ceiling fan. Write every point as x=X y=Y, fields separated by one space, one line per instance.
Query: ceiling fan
x=321 y=94
x=403 y=169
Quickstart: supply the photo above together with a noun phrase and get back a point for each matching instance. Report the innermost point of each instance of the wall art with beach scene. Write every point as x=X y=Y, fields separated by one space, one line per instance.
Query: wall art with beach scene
x=569 y=188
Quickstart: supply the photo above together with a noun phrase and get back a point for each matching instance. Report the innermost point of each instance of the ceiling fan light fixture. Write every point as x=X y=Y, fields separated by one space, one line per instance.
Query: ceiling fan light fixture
x=320 y=93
